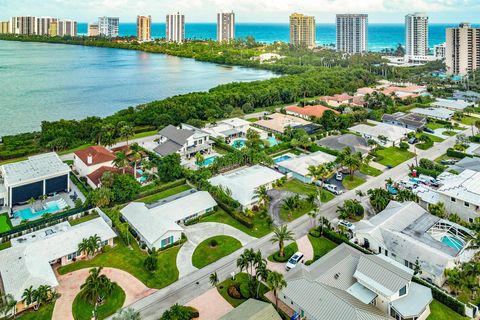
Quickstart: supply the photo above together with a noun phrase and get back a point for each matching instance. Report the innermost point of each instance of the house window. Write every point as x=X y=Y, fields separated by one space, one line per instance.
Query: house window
x=466 y=204
x=167 y=241
x=379 y=249
x=386 y=252
x=403 y=291
x=453 y=199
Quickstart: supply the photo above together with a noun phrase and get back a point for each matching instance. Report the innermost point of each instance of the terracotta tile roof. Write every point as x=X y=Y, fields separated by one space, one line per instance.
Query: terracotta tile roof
x=338 y=98
x=99 y=155
x=311 y=111
x=96 y=175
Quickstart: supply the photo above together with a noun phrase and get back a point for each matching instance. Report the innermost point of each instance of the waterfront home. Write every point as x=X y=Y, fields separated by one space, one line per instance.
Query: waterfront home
x=346 y=284
x=459 y=193
x=394 y=91
x=90 y=159
x=185 y=140
x=31 y=258
x=435 y=113
x=278 y=122
x=341 y=99
x=229 y=129
x=354 y=142
x=408 y=234
x=159 y=224
x=298 y=166
x=243 y=182
x=383 y=133
x=94 y=179
x=406 y=120
x=253 y=310
x=308 y=112
x=40 y=175
x=451 y=104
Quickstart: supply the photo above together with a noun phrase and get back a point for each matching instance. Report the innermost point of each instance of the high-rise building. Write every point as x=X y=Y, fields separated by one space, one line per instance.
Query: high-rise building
x=175 y=28
x=439 y=50
x=302 y=30
x=5 y=27
x=108 y=26
x=416 y=35
x=43 y=25
x=225 y=26
x=144 y=24
x=24 y=25
x=462 y=49
x=352 y=33
x=53 y=29
x=93 y=30
x=67 y=28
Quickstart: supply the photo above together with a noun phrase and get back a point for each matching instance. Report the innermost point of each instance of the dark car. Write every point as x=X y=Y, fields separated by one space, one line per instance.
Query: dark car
x=428 y=130
x=413 y=140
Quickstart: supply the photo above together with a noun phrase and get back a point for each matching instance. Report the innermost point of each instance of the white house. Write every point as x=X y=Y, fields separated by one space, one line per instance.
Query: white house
x=232 y=128
x=43 y=174
x=89 y=160
x=185 y=140
x=346 y=284
x=158 y=224
x=452 y=104
x=435 y=113
x=383 y=133
x=298 y=166
x=243 y=182
x=408 y=234
x=30 y=260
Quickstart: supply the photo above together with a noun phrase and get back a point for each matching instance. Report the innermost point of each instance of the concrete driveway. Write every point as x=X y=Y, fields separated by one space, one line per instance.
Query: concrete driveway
x=276 y=202
x=200 y=232
x=210 y=305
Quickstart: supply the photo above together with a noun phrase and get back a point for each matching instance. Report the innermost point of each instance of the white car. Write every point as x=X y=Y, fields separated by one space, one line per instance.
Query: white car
x=346 y=224
x=333 y=189
x=294 y=260
x=339 y=176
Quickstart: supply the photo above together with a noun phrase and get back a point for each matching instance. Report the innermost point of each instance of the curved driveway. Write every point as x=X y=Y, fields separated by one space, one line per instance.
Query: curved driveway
x=199 y=232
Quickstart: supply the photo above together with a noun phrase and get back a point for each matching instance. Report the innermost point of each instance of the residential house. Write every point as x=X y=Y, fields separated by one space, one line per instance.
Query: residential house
x=88 y=160
x=159 y=224
x=466 y=163
x=253 y=310
x=451 y=104
x=471 y=96
x=185 y=140
x=346 y=284
x=230 y=129
x=406 y=120
x=383 y=133
x=243 y=182
x=298 y=167
x=435 y=113
x=354 y=142
x=278 y=122
x=31 y=258
x=308 y=112
x=408 y=234
x=44 y=174
x=94 y=179
x=342 y=99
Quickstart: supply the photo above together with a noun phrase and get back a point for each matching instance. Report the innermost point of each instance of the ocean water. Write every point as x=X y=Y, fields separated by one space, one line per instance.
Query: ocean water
x=41 y=81
x=380 y=36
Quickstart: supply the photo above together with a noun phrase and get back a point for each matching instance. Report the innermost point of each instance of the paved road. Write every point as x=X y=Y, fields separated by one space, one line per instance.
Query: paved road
x=196 y=283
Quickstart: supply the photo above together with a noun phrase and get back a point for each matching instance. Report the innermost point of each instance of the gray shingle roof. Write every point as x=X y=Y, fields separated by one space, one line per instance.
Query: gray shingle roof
x=178 y=136
x=352 y=141
x=167 y=148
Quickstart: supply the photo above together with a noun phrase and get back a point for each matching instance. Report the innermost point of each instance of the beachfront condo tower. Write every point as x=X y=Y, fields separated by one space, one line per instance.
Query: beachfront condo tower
x=43 y=25
x=108 y=26
x=24 y=25
x=302 y=30
x=5 y=27
x=144 y=25
x=175 y=28
x=416 y=36
x=225 y=26
x=67 y=28
x=352 y=33
x=462 y=50
x=93 y=30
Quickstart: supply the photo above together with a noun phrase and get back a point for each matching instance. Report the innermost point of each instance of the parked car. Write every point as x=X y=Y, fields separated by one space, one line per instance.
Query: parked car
x=339 y=176
x=448 y=161
x=428 y=180
x=346 y=224
x=293 y=261
x=413 y=140
x=333 y=189
x=408 y=184
x=428 y=130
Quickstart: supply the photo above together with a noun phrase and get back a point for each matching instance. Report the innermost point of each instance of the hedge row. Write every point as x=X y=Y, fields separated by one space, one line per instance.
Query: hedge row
x=443 y=297
x=278 y=148
x=148 y=190
x=247 y=222
x=222 y=145
x=457 y=154
x=339 y=239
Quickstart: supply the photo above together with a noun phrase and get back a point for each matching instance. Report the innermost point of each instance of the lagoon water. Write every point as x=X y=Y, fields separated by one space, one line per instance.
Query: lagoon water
x=53 y=81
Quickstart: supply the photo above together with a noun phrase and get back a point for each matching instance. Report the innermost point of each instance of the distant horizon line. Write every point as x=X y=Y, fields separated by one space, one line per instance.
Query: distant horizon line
x=287 y=23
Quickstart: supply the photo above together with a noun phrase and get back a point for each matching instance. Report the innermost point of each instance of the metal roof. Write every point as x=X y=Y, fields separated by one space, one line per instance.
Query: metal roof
x=253 y=310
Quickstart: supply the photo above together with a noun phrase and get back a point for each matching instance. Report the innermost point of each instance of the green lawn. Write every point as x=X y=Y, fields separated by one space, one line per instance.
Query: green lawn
x=86 y=218
x=299 y=187
x=439 y=311
x=131 y=261
x=435 y=125
x=467 y=120
x=44 y=313
x=144 y=134
x=222 y=288
x=289 y=251
x=5 y=224
x=321 y=246
x=260 y=229
x=83 y=146
x=350 y=183
x=164 y=194
x=304 y=208
x=449 y=133
x=370 y=171
x=5 y=245
x=205 y=254
x=393 y=156
x=82 y=310
x=432 y=137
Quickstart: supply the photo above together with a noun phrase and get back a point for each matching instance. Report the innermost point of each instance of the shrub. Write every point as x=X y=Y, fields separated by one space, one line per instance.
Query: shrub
x=213 y=243
x=289 y=251
x=245 y=290
x=234 y=293
x=403 y=145
x=314 y=233
x=456 y=154
x=106 y=248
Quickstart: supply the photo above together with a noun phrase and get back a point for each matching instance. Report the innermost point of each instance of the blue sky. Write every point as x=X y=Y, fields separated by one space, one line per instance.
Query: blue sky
x=448 y=11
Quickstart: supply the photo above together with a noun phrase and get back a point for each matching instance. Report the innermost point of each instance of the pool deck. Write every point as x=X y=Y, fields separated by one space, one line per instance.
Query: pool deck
x=38 y=204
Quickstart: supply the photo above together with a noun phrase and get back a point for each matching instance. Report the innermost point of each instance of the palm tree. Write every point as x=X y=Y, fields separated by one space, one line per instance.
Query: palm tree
x=276 y=282
x=121 y=161
x=96 y=288
x=280 y=235
x=127 y=314
x=261 y=273
x=379 y=198
x=43 y=294
x=29 y=296
x=313 y=215
x=214 y=279
x=126 y=132
x=31 y=201
x=84 y=246
x=7 y=305
x=290 y=205
x=199 y=158
x=352 y=162
x=262 y=194
x=320 y=173
x=135 y=153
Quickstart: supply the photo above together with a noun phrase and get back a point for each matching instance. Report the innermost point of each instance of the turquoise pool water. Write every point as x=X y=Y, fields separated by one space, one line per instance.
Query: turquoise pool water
x=208 y=161
x=272 y=141
x=28 y=213
x=141 y=178
x=452 y=242
x=238 y=144
x=282 y=158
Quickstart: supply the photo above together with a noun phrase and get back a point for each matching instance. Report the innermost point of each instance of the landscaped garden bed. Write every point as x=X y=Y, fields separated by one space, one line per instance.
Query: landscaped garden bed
x=82 y=310
x=231 y=291
x=289 y=252
x=213 y=249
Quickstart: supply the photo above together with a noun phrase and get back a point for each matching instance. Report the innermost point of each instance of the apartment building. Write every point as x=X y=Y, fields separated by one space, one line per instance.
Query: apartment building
x=352 y=33
x=108 y=26
x=225 y=26
x=175 y=28
x=302 y=30
x=462 y=49
x=439 y=50
x=24 y=25
x=5 y=27
x=144 y=25
x=67 y=28
x=43 y=25
x=53 y=29
x=416 y=36
x=93 y=30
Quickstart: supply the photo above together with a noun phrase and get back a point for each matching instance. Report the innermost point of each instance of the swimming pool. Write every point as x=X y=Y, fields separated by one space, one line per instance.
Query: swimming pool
x=282 y=158
x=27 y=213
x=238 y=144
x=272 y=141
x=208 y=161
x=142 y=178
x=452 y=242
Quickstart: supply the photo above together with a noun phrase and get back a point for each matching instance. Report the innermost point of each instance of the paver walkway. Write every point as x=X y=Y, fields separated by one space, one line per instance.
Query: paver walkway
x=200 y=232
x=69 y=287
x=210 y=305
x=305 y=247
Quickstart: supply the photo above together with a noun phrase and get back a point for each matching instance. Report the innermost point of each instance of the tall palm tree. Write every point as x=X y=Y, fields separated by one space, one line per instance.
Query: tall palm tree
x=96 y=288
x=280 y=235
x=121 y=161
x=126 y=132
x=135 y=153
x=276 y=282
x=29 y=296
x=43 y=294
x=7 y=305
x=127 y=314
x=320 y=173
x=214 y=279
x=262 y=194
x=84 y=246
x=261 y=273
x=290 y=205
